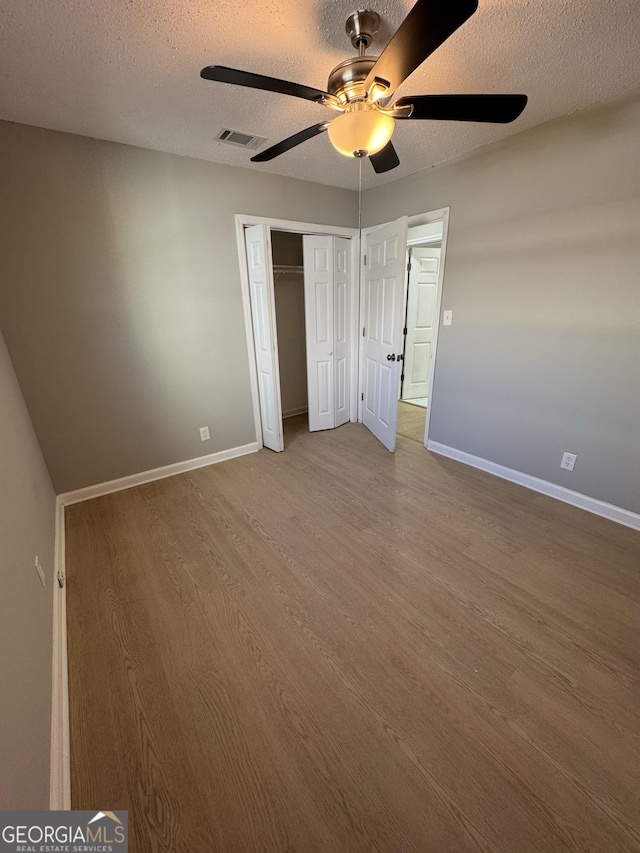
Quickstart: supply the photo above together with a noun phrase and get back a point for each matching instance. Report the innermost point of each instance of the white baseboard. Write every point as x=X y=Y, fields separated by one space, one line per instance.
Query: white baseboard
x=291 y=413
x=60 y=766
x=606 y=510
x=132 y=480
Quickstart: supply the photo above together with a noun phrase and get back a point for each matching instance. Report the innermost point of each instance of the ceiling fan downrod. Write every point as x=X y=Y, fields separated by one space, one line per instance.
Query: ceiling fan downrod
x=361 y=28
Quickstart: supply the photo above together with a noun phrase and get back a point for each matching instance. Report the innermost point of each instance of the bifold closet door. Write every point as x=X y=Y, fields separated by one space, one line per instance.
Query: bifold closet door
x=263 y=314
x=341 y=328
x=327 y=291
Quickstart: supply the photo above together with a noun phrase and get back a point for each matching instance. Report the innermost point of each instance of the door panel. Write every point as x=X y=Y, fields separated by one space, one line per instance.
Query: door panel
x=258 y=245
x=421 y=301
x=385 y=251
x=327 y=287
x=342 y=327
x=318 y=311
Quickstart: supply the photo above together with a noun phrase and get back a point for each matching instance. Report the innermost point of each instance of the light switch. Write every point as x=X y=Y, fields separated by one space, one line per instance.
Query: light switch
x=447 y=317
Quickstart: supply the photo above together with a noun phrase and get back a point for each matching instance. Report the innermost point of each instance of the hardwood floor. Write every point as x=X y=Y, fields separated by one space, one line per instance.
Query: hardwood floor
x=411 y=421
x=338 y=649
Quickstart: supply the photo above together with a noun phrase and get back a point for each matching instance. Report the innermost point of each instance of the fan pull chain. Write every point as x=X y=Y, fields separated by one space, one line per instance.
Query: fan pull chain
x=360 y=159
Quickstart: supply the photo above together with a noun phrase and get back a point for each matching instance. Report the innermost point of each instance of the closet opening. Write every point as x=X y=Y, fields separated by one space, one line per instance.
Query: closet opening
x=288 y=283
x=300 y=304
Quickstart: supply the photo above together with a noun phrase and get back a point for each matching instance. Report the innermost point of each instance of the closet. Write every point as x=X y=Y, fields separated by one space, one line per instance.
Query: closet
x=302 y=333
x=288 y=277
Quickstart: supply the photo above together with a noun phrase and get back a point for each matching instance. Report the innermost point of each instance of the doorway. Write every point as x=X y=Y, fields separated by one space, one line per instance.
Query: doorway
x=386 y=327
x=424 y=257
x=288 y=279
x=300 y=322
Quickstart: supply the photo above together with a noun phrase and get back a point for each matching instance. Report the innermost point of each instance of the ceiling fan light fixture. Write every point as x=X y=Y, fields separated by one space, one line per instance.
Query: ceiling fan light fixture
x=361 y=129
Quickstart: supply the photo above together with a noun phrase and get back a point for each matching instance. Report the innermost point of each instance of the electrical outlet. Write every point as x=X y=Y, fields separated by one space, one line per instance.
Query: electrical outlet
x=447 y=318
x=204 y=433
x=568 y=461
x=39 y=569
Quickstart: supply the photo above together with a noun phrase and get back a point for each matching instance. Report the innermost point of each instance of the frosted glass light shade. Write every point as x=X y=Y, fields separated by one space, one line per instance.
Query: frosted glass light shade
x=366 y=130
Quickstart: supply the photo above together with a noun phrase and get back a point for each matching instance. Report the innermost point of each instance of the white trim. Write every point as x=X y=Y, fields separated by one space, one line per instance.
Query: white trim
x=60 y=766
x=155 y=474
x=296 y=227
x=606 y=510
x=291 y=413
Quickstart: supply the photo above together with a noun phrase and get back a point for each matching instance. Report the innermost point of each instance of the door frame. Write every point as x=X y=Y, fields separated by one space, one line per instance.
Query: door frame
x=418 y=219
x=241 y=221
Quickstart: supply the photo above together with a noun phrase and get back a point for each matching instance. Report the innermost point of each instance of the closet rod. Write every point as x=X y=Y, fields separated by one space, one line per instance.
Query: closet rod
x=287 y=268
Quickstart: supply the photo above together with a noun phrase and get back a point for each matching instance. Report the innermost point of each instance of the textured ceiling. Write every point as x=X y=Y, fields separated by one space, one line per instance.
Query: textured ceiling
x=128 y=71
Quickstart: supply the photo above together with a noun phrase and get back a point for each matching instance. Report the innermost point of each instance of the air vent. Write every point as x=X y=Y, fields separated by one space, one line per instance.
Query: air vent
x=238 y=137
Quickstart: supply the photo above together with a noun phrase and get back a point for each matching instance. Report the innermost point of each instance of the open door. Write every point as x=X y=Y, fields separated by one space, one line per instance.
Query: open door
x=327 y=297
x=384 y=271
x=424 y=268
x=263 y=314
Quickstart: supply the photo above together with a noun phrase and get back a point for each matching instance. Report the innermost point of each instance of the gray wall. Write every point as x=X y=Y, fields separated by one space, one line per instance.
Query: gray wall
x=543 y=275
x=120 y=297
x=27 y=508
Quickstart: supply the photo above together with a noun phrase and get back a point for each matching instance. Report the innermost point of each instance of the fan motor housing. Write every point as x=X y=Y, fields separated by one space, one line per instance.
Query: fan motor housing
x=346 y=81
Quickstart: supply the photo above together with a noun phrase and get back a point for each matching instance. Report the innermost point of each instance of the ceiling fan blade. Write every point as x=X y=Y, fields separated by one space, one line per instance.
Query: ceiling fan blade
x=290 y=142
x=385 y=159
x=221 y=74
x=494 y=108
x=426 y=27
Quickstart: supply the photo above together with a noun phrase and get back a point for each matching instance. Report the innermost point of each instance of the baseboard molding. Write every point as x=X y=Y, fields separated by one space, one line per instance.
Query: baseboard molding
x=291 y=413
x=606 y=510
x=60 y=765
x=132 y=480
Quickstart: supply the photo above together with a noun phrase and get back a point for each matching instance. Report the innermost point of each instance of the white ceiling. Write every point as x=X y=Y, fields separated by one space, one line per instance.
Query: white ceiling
x=128 y=71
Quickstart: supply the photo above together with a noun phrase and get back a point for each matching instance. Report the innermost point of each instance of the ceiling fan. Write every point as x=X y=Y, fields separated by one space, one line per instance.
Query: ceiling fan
x=361 y=88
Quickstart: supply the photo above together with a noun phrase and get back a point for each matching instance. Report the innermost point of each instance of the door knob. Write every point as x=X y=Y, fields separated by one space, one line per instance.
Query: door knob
x=391 y=357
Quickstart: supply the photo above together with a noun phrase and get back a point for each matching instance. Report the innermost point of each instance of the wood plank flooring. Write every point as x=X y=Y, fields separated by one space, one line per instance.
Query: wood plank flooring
x=337 y=649
x=411 y=421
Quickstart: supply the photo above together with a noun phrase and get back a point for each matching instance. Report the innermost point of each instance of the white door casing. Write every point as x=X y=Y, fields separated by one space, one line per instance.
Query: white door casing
x=421 y=303
x=384 y=276
x=327 y=287
x=263 y=314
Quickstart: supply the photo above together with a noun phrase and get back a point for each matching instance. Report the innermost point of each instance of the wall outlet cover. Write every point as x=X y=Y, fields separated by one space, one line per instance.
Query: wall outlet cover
x=568 y=461
x=204 y=433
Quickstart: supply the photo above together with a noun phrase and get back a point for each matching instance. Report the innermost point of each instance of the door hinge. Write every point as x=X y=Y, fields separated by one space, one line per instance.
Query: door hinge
x=405 y=330
x=402 y=377
x=362 y=396
x=363 y=331
x=365 y=260
x=408 y=266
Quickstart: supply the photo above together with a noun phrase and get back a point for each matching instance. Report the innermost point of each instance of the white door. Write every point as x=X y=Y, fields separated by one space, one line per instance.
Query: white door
x=421 y=305
x=263 y=313
x=341 y=327
x=327 y=290
x=385 y=254
x=318 y=318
